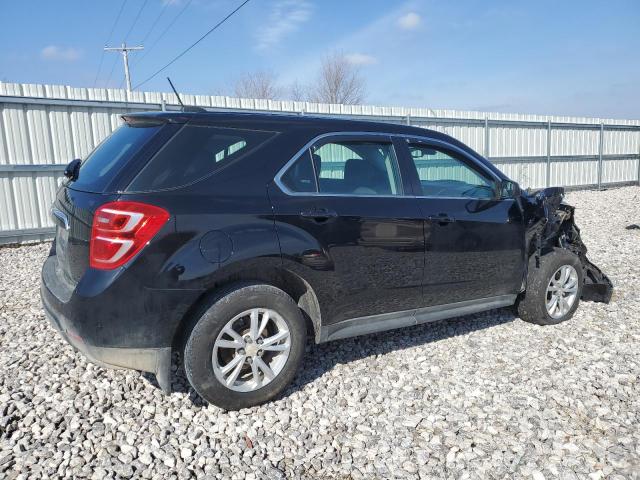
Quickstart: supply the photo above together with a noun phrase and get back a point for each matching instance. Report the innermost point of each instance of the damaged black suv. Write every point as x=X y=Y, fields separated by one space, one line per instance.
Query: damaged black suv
x=230 y=238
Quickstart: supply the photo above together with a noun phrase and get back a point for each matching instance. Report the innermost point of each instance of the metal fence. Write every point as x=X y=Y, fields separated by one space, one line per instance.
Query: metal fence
x=42 y=127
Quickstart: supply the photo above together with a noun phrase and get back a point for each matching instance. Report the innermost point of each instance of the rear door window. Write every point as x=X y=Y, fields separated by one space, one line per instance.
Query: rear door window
x=102 y=165
x=300 y=177
x=195 y=152
x=345 y=167
x=357 y=168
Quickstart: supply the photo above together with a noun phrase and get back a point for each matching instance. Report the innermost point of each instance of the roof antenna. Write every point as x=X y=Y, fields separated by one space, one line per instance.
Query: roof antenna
x=184 y=108
x=176 y=92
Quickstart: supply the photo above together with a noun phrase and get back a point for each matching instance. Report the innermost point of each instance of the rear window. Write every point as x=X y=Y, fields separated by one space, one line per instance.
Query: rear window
x=105 y=162
x=195 y=152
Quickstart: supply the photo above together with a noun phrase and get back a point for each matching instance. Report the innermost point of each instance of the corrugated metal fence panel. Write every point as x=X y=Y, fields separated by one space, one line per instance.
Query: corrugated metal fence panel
x=622 y=170
x=42 y=127
x=572 y=173
x=529 y=174
x=506 y=141
x=7 y=208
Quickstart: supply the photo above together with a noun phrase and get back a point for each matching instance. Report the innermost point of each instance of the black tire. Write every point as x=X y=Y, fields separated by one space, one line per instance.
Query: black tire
x=213 y=317
x=531 y=305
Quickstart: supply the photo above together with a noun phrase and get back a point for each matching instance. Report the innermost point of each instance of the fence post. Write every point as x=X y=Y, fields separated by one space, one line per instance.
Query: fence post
x=600 y=156
x=486 y=138
x=408 y=119
x=163 y=105
x=639 y=164
x=548 y=184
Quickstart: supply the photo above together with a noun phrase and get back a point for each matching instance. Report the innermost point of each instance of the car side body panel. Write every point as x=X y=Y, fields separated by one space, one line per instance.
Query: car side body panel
x=367 y=260
x=478 y=255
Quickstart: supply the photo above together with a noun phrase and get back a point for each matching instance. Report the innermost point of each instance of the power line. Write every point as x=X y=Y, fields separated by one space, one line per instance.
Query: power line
x=137 y=60
x=168 y=27
x=113 y=27
x=153 y=25
x=126 y=37
x=215 y=27
x=113 y=66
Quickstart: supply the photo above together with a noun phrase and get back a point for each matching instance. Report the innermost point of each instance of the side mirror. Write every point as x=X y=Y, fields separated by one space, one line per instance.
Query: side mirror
x=508 y=189
x=72 y=169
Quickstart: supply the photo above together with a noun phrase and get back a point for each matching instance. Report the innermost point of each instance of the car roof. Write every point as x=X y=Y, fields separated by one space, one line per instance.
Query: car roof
x=313 y=125
x=285 y=121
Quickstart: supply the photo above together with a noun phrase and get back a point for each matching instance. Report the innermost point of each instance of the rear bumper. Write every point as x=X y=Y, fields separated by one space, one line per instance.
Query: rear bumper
x=152 y=360
x=113 y=320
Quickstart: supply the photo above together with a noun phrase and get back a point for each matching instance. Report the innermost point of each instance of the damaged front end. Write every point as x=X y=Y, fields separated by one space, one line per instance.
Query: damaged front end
x=550 y=224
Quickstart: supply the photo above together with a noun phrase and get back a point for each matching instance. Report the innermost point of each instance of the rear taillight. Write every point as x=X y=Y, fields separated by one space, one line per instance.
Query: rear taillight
x=122 y=229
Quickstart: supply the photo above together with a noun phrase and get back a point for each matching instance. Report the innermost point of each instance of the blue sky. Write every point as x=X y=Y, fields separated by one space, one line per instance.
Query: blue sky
x=543 y=56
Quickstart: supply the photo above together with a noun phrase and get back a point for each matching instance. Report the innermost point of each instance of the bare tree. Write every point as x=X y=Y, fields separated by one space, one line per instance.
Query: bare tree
x=339 y=81
x=259 y=84
x=298 y=92
x=219 y=91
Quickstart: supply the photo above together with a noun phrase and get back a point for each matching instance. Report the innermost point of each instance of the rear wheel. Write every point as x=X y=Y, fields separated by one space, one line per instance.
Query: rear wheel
x=246 y=347
x=553 y=289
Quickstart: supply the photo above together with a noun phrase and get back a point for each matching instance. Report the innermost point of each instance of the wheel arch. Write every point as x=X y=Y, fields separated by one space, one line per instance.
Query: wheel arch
x=287 y=281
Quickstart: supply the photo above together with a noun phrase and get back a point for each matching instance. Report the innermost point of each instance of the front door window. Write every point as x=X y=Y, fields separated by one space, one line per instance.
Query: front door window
x=442 y=173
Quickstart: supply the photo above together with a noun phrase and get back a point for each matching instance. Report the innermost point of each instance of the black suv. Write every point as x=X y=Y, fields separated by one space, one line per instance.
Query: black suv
x=231 y=237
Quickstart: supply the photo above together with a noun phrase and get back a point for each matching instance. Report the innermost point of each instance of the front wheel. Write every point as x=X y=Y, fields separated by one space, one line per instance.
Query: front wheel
x=246 y=347
x=553 y=289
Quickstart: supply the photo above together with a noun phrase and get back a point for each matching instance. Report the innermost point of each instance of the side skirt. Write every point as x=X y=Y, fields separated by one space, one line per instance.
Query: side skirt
x=388 y=321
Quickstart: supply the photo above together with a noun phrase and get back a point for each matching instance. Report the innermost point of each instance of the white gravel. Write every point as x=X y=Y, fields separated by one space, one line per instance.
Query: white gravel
x=484 y=396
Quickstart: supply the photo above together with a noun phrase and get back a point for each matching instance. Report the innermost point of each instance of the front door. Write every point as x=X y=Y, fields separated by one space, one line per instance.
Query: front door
x=348 y=226
x=474 y=242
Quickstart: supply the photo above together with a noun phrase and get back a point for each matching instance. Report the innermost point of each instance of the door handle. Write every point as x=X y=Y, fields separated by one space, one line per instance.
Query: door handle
x=319 y=214
x=441 y=218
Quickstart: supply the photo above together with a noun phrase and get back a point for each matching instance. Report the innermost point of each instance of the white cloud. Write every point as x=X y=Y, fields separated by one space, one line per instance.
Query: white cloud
x=65 y=54
x=409 y=21
x=286 y=17
x=360 y=59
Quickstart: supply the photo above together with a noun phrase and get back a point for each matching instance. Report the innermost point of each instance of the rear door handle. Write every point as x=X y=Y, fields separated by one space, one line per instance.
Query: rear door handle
x=319 y=214
x=441 y=218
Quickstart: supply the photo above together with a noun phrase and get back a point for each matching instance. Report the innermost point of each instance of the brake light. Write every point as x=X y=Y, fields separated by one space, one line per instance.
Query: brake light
x=120 y=230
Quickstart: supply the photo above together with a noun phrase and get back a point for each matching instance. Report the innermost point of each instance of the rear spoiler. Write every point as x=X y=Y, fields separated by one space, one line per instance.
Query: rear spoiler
x=153 y=119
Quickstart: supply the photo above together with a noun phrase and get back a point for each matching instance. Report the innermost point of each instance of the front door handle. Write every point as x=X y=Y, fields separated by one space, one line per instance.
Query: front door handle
x=441 y=218
x=319 y=214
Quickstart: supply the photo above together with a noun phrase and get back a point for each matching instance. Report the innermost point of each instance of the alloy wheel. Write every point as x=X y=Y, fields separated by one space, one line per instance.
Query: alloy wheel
x=562 y=291
x=251 y=350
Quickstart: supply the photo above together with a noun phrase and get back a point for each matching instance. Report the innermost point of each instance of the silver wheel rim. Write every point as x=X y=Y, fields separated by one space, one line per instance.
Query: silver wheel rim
x=562 y=291
x=251 y=350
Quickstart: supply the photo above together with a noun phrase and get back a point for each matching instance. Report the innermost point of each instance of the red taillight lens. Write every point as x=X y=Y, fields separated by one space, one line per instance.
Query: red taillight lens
x=122 y=229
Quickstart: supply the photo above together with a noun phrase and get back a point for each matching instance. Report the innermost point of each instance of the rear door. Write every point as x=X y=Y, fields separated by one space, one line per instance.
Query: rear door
x=348 y=224
x=474 y=242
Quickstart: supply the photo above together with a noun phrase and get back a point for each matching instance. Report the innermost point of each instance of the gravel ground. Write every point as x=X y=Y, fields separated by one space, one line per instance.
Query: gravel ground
x=481 y=396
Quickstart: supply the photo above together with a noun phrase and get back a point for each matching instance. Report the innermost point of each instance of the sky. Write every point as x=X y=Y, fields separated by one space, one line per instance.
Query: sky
x=547 y=57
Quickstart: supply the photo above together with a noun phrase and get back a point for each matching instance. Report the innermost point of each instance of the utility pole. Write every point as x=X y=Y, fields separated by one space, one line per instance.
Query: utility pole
x=125 y=58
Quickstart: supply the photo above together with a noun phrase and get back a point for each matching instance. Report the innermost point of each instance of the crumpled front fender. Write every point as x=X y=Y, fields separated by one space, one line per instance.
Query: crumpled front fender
x=550 y=224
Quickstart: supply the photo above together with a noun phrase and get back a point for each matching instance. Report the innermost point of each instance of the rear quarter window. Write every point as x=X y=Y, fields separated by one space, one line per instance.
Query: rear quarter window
x=104 y=164
x=194 y=153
